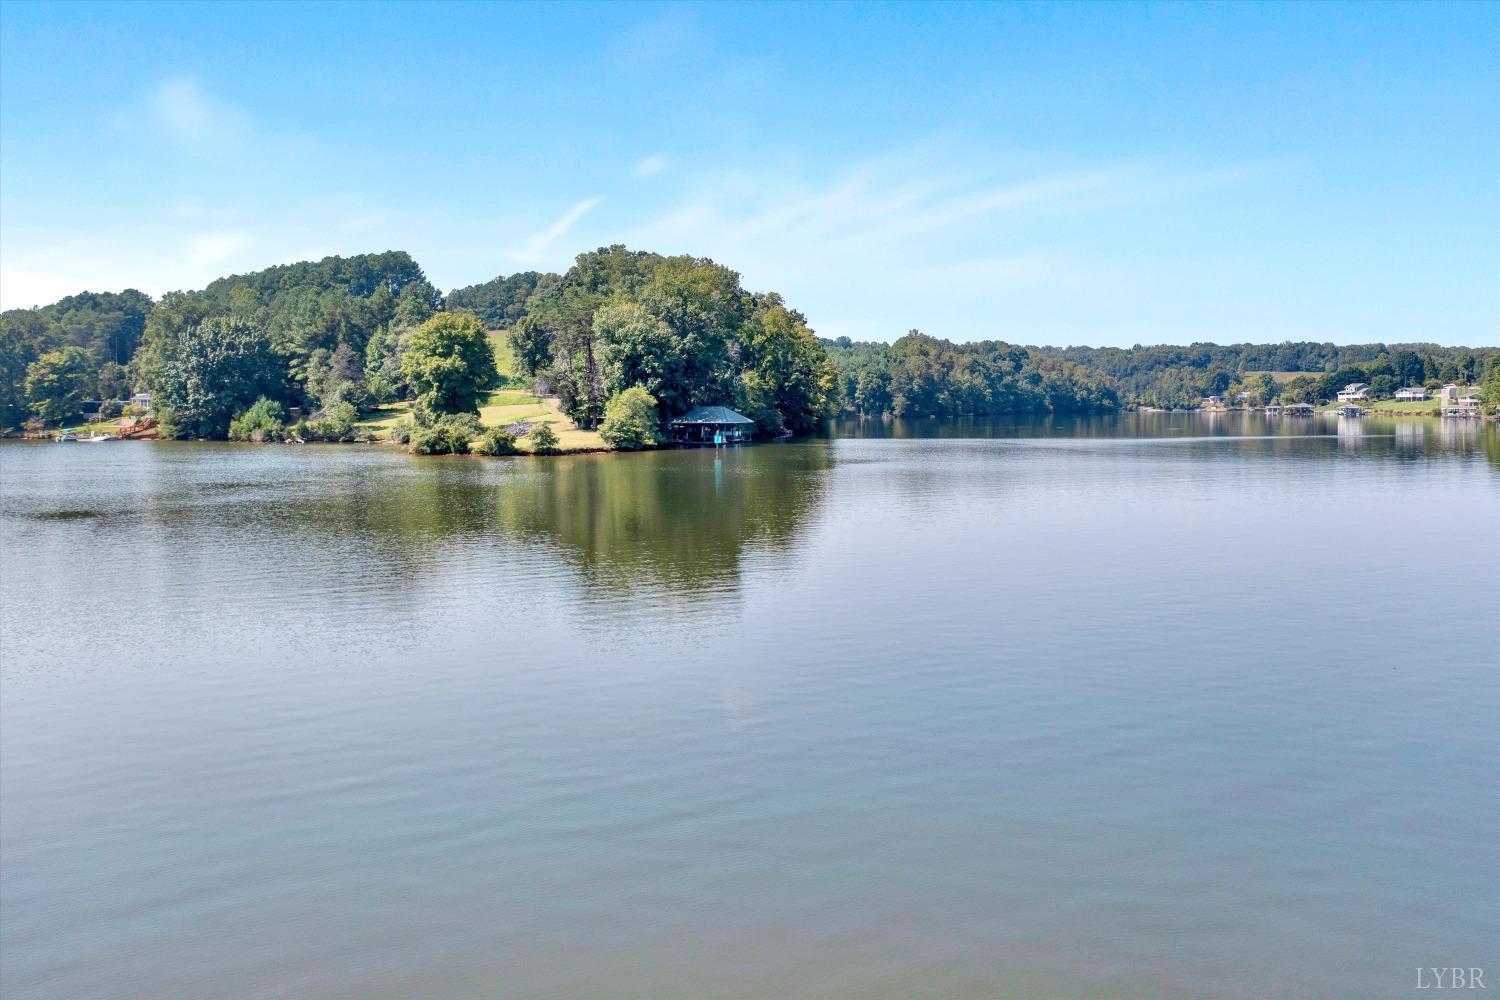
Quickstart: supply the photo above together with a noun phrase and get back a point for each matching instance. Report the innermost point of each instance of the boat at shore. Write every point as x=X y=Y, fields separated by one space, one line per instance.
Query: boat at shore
x=66 y=437
x=96 y=438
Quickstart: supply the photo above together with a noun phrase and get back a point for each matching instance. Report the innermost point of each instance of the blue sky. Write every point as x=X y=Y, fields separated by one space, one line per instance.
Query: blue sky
x=1108 y=174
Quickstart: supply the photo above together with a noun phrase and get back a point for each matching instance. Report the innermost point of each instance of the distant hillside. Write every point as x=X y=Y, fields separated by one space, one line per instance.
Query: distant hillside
x=500 y=302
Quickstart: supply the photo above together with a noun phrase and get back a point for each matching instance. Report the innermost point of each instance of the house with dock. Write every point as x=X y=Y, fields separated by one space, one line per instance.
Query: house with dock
x=1354 y=391
x=1454 y=401
x=711 y=425
x=1464 y=406
x=1411 y=394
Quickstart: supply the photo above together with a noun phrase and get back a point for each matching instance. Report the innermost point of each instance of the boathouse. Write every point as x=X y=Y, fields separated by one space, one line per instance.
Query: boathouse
x=712 y=425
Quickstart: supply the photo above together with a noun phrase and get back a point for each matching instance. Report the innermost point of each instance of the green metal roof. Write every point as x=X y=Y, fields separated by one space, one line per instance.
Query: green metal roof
x=712 y=415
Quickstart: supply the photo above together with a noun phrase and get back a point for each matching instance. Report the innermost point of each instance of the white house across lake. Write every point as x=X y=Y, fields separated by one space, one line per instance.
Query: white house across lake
x=1353 y=391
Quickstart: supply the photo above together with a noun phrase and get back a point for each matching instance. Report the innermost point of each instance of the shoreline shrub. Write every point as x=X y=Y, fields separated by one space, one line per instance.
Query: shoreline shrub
x=542 y=440
x=631 y=421
x=448 y=435
x=333 y=424
x=263 y=420
x=496 y=441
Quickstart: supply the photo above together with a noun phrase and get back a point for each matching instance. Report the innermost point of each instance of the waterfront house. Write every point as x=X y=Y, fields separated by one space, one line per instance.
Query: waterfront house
x=141 y=399
x=1213 y=402
x=1467 y=405
x=1353 y=391
x=1448 y=395
x=711 y=425
x=1411 y=393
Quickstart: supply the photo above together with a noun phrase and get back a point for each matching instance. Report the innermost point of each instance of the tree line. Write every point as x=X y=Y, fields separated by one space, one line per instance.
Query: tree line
x=625 y=339
x=1293 y=372
x=923 y=376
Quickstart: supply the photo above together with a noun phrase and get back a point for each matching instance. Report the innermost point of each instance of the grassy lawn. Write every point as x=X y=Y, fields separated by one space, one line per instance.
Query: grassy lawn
x=380 y=421
x=110 y=426
x=1428 y=407
x=100 y=427
x=512 y=406
x=508 y=397
x=505 y=358
x=1392 y=407
x=504 y=406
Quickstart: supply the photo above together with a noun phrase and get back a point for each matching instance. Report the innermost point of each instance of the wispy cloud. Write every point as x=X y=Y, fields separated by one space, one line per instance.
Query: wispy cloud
x=187 y=114
x=667 y=38
x=536 y=246
x=907 y=229
x=653 y=164
x=214 y=248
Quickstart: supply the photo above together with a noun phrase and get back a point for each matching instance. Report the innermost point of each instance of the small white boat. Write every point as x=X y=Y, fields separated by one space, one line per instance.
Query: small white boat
x=95 y=439
x=66 y=436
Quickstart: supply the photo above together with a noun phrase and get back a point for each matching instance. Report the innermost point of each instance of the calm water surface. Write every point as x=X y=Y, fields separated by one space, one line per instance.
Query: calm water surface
x=1156 y=706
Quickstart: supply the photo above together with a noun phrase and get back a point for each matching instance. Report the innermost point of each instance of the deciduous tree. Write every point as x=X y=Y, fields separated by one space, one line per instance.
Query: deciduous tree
x=57 y=384
x=203 y=375
x=449 y=363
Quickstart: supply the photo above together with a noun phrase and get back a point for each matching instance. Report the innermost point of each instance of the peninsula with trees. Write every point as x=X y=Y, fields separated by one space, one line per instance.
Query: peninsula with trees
x=601 y=357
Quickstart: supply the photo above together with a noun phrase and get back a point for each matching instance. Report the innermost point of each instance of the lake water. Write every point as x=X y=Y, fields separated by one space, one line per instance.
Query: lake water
x=1149 y=706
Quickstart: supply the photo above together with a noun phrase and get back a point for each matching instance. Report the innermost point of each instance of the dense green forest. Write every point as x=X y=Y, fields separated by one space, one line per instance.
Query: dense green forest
x=90 y=338
x=331 y=339
x=501 y=302
x=682 y=329
x=922 y=376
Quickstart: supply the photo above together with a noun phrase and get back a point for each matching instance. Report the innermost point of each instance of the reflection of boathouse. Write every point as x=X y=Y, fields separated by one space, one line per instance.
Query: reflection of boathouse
x=711 y=425
x=1411 y=434
x=1351 y=433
